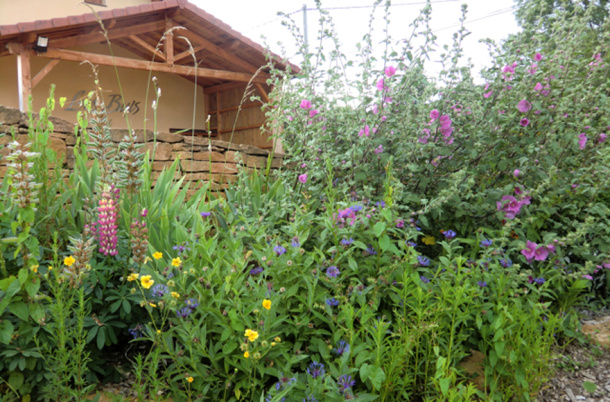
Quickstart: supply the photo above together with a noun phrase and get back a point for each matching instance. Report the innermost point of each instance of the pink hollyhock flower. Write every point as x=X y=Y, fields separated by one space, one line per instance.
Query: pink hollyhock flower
x=510 y=206
x=533 y=68
x=375 y=109
x=602 y=137
x=434 y=114
x=524 y=122
x=589 y=277
x=529 y=251
x=488 y=94
x=380 y=85
x=305 y=104
x=516 y=173
x=313 y=112
x=538 y=87
x=541 y=253
x=582 y=140
x=552 y=249
x=390 y=71
x=303 y=178
x=445 y=121
x=379 y=149
x=304 y=165
x=365 y=131
x=538 y=57
x=524 y=106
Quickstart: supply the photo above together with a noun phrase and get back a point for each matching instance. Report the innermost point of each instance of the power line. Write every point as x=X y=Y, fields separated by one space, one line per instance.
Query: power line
x=490 y=15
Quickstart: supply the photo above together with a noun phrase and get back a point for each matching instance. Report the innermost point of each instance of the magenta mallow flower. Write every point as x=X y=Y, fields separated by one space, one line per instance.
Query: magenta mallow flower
x=511 y=206
x=390 y=71
x=313 y=112
x=533 y=252
x=303 y=178
x=516 y=173
x=524 y=106
x=305 y=104
x=538 y=57
x=538 y=87
x=582 y=140
x=524 y=122
x=379 y=149
x=434 y=114
x=602 y=137
x=380 y=85
x=366 y=131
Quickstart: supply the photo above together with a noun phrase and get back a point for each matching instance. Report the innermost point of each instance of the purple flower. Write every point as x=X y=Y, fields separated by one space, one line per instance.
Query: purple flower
x=512 y=207
x=159 y=290
x=411 y=244
x=423 y=260
x=303 y=178
x=434 y=114
x=449 y=234
x=582 y=140
x=183 y=312
x=305 y=104
x=192 y=304
x=538 y=87
x=390 y=71
x=505 y=262
x=400 y=223
x=524 y=122
x=256 y=271
x=345 y=382
x=342 y=347
x=486 y=243
x=136 y=332
x=424 y=279
x=539 y=281
x=380 y=85
x=538 y=57
x=295 y=242
x=516 y=173
x=347 y=242
x=332 y=302
x=378 y=150
x=589 y=277
x=332 y=272
x=533 y=252
x=279 y=250
x=315 y=370
x=205 y=214
x=445 y=121
x=313 y=112
x=366 y=131
x=602 y=137
x=370 y=250
x=524 y=106
x=482 y=284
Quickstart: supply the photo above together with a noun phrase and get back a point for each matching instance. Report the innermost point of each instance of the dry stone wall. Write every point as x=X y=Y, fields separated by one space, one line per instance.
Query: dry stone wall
x=201 y=160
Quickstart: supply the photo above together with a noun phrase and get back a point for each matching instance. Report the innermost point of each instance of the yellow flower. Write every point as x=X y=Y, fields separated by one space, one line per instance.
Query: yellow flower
x=34 y=268
x=277 y=339
x=146 y=281
x=157 y=255
x=50 y=267
x=251 y=335
x=147 y=259
x=152 y=305
x=175 y=295
x=246 y=354
x=429 y=240
x=190 y=379
x=176 y=262
x=158 y=331
x=267 y=304
x=272 y=343
x=132 y=277
x=68 y=261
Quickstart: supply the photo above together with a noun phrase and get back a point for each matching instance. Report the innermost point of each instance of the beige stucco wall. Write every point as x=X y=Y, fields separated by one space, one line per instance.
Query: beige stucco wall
x=179 y=96
x=14 y=11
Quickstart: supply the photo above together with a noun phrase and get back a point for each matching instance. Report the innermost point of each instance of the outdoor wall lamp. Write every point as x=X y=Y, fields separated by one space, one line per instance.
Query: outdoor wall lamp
x=42 y=43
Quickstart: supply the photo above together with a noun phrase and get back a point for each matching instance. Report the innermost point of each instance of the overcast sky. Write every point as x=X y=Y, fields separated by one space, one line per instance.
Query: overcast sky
x=486 y=19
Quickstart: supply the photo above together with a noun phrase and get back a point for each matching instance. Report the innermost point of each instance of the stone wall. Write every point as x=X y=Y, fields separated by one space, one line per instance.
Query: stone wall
x=194 y=153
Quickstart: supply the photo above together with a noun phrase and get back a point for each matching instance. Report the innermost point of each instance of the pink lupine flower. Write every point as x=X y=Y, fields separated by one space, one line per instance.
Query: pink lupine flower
x=524 y=122
x=524 y=106
x=390 y=71
x=582 y=140
x=434 y=114
x=305 y=104
x=303 y=178
x=106 y=224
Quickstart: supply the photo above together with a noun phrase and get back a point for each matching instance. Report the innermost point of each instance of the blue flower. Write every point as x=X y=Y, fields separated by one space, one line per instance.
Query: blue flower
x=505 y=262
x=486 y=243
x=424 y=279
x=332 y=302
x=411 y=244
x=285 y=382
x=449 y=234
x=423 y=260
x=539 y=281
x=332 y=272
x=356 y=208
x=136 y=332
x=482 y=284
x=370 y=250
x=205 y=214
x=347 y=242
x=295 y=242
x=183 y=312
x=315 y=370
x=192 y=304
x=380 y=204
x=159 y=290
x=310 y=398
x=256 y=271
x=345 y=382
x=342 y=347
x=279 y=250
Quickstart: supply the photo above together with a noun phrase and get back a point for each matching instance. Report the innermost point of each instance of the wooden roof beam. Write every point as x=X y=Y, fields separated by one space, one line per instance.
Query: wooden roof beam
x=188 y=53
x=70 y=55
x=147 y=47
x=43 y=73
x=169 y=41
x=98 y=36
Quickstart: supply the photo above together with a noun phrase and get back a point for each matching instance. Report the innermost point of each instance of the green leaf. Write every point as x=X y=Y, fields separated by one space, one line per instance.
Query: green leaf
x=362 y=357
x=16 y=380
x=589 y=386
x=101 y=338
x=384 y=242
x=379 y=228
x=377 y=377
x=444 y=384
x=32 y=286
x=6 y=331
x=36 y=312
x=12 y=288
x=20 y=309
x=493 y=358
x=352 y=264
x=364 y=372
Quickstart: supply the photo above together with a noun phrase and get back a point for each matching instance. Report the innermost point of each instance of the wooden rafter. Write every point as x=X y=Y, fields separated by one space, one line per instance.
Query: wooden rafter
x=169 y=42
x=223 y=87
x=70 y=55
x=154 y=52
x=263 y=92
x=98 y=35
x=188 y=53
x=43 y=73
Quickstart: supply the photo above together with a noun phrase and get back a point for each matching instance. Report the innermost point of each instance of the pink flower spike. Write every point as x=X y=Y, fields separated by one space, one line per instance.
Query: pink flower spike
x=303 y=178
x=390 y=71
x=524 y=106
x=538 y=57
x=305 y=104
